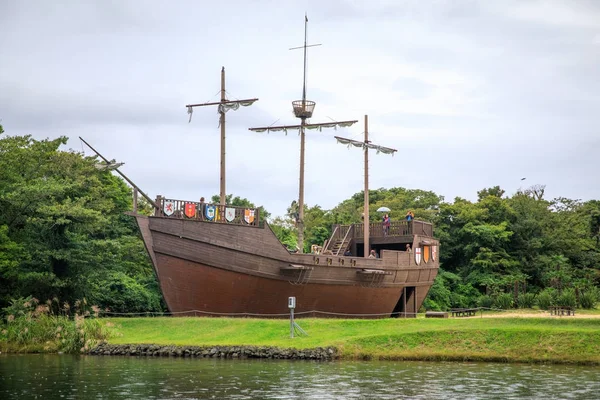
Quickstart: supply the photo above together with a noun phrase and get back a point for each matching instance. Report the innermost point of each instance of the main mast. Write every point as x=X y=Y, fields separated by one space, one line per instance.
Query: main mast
x=224 y=106
x=303 y=109
x=366 y=145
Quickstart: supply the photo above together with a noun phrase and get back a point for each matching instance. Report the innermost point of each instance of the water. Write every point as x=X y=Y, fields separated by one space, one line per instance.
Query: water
x=89 y=377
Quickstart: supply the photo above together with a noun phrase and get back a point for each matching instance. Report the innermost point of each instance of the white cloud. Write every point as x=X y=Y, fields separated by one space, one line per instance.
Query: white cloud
x=559 y=13
x=472 y=94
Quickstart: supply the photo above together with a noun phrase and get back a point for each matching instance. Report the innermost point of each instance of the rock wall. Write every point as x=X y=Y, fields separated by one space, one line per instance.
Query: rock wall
x=153 y=350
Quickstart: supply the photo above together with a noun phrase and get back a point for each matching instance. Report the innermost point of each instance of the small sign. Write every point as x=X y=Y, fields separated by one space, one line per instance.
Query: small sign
x=291 y=302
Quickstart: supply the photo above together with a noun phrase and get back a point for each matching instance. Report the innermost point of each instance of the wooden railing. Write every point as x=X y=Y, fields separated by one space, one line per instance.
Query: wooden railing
x=344 y=229
x=422 y=228
x=397 y=228
x=200 y=211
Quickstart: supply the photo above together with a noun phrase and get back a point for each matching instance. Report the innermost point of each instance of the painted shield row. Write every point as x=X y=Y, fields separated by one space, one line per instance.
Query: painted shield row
x=425 y=253
x=211 y=212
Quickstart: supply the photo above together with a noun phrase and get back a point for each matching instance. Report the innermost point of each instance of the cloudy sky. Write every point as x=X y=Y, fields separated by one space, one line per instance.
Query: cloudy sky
x=473 y=94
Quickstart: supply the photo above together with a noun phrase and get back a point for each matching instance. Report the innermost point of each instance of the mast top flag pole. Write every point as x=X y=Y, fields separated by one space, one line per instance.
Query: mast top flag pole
x=303 y=109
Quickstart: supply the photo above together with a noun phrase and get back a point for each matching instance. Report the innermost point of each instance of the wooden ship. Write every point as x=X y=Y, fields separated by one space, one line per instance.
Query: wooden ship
x=218 y=259
x=223 y=260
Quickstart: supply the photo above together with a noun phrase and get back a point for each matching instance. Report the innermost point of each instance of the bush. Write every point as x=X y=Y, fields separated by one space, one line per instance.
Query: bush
x=504 y=301
x=20 y=307
x=431 y=305
x=464 y=296
x=526 y=300
x=485 y=301
x=439 y=294
x=123 y=294
x=36 y=329
x=567 y=298
x=546 y=299
x=588 y=298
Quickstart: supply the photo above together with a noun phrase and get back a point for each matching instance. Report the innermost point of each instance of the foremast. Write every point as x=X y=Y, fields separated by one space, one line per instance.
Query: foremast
x=224 y=106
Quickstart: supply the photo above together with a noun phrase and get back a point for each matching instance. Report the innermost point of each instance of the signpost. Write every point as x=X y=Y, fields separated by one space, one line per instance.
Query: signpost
x=292 y=305
x=293 y=324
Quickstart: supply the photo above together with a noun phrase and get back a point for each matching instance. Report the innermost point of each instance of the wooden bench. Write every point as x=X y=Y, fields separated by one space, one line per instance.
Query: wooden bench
x=436 y=314
x=463 y=312
x=560 y=311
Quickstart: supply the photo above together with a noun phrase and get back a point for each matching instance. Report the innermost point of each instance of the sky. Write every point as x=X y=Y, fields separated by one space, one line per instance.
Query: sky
x=472 y=94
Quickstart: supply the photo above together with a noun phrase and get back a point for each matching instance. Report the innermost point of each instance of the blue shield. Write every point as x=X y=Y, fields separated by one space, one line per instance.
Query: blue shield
x=210 y=212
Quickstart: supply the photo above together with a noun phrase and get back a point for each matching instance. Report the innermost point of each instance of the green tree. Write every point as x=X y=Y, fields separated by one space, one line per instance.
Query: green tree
x=64 y=224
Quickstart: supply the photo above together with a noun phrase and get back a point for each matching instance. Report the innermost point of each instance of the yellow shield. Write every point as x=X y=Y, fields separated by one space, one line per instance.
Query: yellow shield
x=249 y=216
x=426 y=253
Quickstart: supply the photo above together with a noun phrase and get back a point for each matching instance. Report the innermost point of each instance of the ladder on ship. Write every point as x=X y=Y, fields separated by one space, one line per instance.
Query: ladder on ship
x=338 y=245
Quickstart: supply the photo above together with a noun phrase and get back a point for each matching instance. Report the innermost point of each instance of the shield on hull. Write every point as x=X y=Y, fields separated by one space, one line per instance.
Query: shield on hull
x=418 y=255
x=426 y=250
x=190 y=210
x=433 y=252
x=210 y=212
x=169 y=208
x=229 y=214
x=249 y=216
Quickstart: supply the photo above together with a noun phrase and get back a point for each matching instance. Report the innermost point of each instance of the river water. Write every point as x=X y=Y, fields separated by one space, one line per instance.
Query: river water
x=97 y=377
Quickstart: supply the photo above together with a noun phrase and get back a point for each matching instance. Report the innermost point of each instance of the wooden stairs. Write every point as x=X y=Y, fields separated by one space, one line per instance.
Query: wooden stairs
x=338 y=245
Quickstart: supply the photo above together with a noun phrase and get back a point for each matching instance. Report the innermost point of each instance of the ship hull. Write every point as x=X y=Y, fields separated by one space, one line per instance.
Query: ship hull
x=217 y=269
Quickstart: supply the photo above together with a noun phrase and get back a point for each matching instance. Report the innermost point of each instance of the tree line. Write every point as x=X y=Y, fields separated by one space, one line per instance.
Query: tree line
x=500 y=251
x=64 y=237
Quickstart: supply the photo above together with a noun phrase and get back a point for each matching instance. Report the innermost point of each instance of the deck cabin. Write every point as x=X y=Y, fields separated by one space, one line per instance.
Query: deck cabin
x=350 y=238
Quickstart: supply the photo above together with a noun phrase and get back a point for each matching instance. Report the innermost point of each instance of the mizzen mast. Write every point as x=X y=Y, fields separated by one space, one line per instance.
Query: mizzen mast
x=224 y=106
x=366 y=145
x=303 y=109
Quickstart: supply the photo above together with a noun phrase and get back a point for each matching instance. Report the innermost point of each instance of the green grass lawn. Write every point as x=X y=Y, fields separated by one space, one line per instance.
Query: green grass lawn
x=518 y=339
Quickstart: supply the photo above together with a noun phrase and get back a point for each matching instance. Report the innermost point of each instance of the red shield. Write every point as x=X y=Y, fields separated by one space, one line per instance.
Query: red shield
x=190 y=210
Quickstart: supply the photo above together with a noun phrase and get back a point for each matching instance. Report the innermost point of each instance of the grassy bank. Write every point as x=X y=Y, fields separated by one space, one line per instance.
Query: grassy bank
x=558 y=340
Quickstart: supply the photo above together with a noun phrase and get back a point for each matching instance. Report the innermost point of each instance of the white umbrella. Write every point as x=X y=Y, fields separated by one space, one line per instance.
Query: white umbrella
x=383 y=209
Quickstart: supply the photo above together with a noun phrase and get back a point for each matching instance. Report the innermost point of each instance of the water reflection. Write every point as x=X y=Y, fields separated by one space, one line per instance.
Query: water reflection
x=72 y=377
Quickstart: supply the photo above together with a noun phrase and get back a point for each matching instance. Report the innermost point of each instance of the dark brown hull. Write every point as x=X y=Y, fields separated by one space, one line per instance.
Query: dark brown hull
x=209 y=268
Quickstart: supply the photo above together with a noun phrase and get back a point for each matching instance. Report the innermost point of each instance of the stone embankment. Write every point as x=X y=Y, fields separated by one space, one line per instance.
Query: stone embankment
x=152 y=350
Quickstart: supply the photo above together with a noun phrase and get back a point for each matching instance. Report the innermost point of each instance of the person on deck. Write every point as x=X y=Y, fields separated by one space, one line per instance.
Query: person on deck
x=386 y=225
x=347 y=253
x=409 y=218
x=201 y=209
x=372 y=255
x=408 y=249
